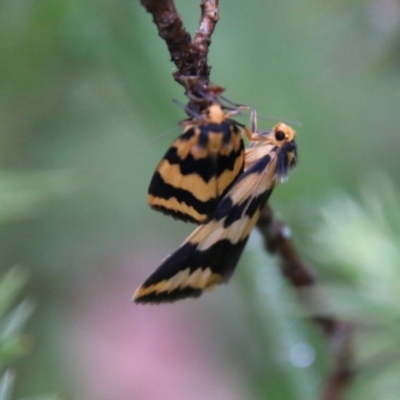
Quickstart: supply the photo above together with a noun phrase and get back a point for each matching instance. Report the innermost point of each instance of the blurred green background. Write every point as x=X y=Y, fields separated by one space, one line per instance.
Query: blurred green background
x=85 y=91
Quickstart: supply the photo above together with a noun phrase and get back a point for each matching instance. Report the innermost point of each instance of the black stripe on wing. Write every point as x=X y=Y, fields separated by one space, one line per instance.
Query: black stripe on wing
x=197 y=171
x=199 y=271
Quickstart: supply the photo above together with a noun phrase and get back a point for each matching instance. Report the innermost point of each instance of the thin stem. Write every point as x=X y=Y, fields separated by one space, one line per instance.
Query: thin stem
x=190 y=57
x=171 y=29
x=202 y=40
x=277 y=240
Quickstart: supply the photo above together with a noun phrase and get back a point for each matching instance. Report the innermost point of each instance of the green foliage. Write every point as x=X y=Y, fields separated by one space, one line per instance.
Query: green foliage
x=23 y=194
x=6 y=389
x=281 y=345
x=6 y=385
x=13 y=342
x=358 y=243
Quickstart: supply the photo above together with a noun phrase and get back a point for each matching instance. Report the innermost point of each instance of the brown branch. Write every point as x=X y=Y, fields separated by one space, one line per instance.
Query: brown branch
x=190 y=57
x=277 y=240
x=171 y=29
x=202 y=40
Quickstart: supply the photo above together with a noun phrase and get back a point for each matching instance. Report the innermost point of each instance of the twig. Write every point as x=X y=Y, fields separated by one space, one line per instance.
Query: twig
x=277 y=240
x=202 y=40
x=171 y=29
x=190 y=57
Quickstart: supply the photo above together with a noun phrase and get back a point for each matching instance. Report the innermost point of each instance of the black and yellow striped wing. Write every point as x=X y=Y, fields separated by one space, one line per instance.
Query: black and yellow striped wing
x=199 y=168
x=210 y=254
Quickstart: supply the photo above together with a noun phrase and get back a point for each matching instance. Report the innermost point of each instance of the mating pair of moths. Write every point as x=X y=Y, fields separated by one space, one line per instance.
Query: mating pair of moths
x=207 y=177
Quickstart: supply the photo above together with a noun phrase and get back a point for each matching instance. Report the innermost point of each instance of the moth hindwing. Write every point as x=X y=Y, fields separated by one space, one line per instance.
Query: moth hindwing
x=199 y=167
x=210 y=254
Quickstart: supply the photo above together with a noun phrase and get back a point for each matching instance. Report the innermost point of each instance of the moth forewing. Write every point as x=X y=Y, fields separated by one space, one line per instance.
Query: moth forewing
x=210 y=254
x=199 y=167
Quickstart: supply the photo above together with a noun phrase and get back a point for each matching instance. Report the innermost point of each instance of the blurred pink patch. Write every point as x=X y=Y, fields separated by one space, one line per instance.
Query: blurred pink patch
x=130 y=352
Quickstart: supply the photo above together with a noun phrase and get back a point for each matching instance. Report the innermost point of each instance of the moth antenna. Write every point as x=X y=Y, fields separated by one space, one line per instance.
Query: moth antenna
x=188 y=110
x=236 y=110
x=178 y=103
x=286 y=120
x=236 y=105
x=154 y=140
x=209 y=97
x=203 y=97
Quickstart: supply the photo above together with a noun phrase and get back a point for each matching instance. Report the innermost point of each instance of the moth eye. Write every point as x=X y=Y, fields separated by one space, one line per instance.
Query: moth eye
x=279 y=135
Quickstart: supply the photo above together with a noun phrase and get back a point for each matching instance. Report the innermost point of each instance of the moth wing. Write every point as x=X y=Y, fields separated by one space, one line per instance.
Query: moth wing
x=230 y=160
x=192 y=269
x=194 y=174
x=210 y=254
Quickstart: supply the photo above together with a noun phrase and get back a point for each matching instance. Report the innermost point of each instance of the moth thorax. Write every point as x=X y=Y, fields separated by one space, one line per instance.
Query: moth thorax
x=215 y=114
x=214 y=142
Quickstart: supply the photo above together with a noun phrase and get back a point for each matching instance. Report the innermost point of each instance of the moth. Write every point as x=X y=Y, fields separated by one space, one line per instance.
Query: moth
x=210 y=254
x=200 y=166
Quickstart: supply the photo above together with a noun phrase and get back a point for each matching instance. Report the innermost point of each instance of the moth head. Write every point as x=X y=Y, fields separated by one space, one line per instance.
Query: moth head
x=278 y=136
x=283 y=133
x=283 y=137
